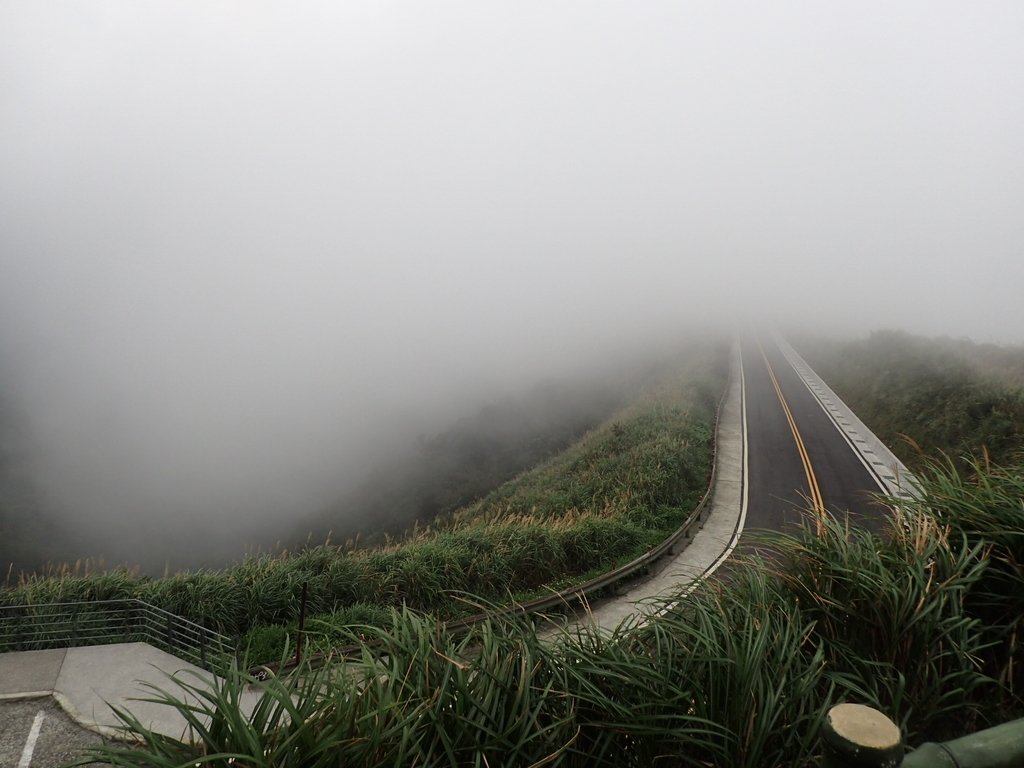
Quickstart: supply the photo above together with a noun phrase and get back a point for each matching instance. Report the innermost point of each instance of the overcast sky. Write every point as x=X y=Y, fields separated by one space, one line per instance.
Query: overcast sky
x=236 y=224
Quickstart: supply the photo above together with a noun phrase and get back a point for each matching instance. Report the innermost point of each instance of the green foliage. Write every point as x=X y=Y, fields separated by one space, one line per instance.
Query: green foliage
x=984 y=504
x=947 y=396
x=418 y=696
x=738 y=672
x=463 y=463
x=268 y=643
x=889 y=614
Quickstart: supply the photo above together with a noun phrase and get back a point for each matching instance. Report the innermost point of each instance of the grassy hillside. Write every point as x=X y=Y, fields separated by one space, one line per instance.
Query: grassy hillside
x=944 y=395
x=458 y=465
x=612 y=495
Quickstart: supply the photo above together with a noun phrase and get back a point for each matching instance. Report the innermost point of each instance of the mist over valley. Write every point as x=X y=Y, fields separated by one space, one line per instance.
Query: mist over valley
x=269 y=273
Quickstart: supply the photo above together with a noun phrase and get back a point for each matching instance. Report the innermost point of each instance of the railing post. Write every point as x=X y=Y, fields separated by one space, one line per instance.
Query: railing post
x=302 y=623
x=135 y=624
x=856 y=736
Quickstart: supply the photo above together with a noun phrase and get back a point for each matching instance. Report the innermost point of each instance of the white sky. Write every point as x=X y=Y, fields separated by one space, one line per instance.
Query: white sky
x=241 y=219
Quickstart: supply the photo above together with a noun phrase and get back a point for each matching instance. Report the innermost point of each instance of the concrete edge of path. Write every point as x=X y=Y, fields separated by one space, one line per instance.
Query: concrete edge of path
x=25 y=695
x=90 y=724
x=87 y=682
x=718 y=534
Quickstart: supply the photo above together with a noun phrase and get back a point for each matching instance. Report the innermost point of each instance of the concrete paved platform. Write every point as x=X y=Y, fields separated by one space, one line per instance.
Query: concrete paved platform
x=30 y=673
x=88 y=681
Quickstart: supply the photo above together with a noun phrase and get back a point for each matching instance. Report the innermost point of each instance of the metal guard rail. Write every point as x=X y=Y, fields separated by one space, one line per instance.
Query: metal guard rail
x=100 y=622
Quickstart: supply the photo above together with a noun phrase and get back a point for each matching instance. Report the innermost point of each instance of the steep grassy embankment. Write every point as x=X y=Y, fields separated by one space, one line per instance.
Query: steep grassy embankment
x=612 y=495
x=465 y=461
x=945 y=395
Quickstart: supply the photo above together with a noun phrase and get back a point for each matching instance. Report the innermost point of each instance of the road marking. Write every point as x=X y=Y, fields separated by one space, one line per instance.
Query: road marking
x=817 y=502
x=33 y=736
x=895 y=465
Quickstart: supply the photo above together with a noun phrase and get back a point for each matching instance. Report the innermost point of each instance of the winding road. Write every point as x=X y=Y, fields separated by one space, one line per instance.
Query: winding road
x=787 y=446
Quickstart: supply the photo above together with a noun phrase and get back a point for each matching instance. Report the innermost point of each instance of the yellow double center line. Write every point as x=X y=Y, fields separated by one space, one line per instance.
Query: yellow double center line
x=817 y=503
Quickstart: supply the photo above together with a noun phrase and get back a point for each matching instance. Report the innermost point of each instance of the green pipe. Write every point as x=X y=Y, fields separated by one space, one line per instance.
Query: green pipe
x=855 y=736
x=998 y=747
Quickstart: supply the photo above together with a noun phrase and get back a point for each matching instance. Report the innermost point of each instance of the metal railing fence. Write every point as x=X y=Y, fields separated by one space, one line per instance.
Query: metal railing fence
x=102 y=622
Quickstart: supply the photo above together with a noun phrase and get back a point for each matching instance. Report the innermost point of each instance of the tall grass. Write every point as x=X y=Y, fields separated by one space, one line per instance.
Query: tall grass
x=889 y=614
x=738 y=673
x=984 y=504
x=951 y=396
x=422 y=697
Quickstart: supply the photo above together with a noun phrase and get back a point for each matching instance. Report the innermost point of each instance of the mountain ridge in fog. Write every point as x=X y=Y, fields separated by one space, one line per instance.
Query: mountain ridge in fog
x=404 y=486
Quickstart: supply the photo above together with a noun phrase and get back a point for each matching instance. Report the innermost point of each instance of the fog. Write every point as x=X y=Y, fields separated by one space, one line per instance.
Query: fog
x=247 y=248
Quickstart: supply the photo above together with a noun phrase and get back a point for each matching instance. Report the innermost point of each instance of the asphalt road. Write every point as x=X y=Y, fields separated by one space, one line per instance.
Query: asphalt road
x=36 y=733
x=798 y=460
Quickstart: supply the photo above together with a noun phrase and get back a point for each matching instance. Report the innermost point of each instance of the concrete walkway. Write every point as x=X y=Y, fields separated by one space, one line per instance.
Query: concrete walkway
x=715 y=540
x=87 y=681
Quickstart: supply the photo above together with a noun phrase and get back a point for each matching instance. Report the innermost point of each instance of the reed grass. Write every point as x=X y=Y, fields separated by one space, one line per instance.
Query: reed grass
x=889 y=613
x=739 y=672
x=984 y=504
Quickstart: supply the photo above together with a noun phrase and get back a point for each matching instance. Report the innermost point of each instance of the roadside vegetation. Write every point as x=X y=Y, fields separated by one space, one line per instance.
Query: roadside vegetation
x=921 y=622
x=459 y=465
x=614 y=494
x=926 y=396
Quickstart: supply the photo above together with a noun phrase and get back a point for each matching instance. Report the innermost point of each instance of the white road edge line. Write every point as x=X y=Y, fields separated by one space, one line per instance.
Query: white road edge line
x=33 y=737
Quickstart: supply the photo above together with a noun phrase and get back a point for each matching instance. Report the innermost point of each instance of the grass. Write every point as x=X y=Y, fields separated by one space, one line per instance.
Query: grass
x=614 y=494
x=740 y=672
x=925 y=396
